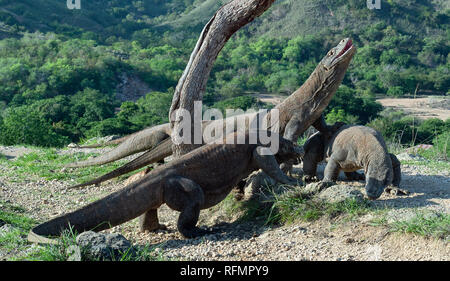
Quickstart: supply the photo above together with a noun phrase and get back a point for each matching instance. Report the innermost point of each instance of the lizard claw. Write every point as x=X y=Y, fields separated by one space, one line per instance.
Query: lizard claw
x=309 y=179
x=393 y=190
x=195 y=232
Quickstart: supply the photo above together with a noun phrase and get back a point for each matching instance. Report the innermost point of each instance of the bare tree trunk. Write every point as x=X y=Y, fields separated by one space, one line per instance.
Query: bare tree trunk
x=191 y=86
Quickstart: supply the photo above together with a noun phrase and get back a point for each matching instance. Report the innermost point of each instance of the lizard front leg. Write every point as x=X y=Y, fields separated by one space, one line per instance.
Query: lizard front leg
x=310 y=167
x=291 y=133
x=332 y=170
x=395 y=189
x=294 y=128
x=330 y=175
x=270 y=166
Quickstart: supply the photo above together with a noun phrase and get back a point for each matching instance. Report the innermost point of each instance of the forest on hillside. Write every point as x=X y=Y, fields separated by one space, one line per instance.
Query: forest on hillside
x=60 y=69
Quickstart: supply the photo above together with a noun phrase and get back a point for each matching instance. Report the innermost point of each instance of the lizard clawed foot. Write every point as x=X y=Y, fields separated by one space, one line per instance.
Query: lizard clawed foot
x=147 y=229
x=355 y=176
x=324 y=185
x=393 y=190
x=195 y=232
x=294 y=181
x=309 y=178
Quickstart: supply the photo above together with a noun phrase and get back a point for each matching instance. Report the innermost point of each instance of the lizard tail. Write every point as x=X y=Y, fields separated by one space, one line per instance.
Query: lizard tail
x=144 y=140
x=114 y=209
x=112 y=142
x=163 y=150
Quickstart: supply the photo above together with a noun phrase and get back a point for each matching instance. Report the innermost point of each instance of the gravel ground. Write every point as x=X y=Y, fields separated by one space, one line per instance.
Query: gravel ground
x=324 y=239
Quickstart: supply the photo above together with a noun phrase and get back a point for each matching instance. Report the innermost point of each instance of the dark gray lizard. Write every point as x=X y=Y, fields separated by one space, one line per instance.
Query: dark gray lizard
x=111 y=142
x=157 y=154
x=350 y=148
x=299 y=111
x=137 y=142
x=197 y=180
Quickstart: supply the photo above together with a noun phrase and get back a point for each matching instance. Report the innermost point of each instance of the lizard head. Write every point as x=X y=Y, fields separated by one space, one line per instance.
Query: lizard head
x=339 y=57
x=289 y=151
x=379 y=175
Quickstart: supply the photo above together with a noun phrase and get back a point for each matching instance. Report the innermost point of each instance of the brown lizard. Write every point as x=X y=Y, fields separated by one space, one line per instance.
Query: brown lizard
x=299 y=111
x=197 y=180
x=349 y=148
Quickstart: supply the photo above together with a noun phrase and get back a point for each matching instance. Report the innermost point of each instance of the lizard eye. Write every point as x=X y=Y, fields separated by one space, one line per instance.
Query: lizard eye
x=331 y=53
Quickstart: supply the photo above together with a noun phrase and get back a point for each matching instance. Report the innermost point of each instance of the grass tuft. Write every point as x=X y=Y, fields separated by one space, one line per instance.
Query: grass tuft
x=48 y=164
x=437 y=226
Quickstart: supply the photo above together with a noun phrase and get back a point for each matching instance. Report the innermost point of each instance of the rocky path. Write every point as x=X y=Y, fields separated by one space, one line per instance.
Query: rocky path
x=324 y=239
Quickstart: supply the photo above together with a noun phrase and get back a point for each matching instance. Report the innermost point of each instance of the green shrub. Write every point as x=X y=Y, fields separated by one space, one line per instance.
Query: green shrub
x=442 y=145
x=339 y=115
x=23 y=125
x=347 y=105
x=242 y=102
x=395 y=91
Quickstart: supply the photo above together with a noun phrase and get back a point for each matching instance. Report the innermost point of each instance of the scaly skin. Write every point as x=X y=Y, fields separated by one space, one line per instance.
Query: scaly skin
x=144 y=140
x=299 y=111
x=195 y=181
x=112 y=142
x=157 y=154
x=349 y=149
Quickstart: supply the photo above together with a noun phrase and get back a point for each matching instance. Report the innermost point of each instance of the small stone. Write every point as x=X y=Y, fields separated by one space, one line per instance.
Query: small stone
x=339 y=193
x=72 y=145
x=349 y=240
x=74 y=253
x=104 y=246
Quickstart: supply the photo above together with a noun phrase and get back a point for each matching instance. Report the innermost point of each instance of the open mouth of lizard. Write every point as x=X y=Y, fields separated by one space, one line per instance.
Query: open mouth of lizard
x=347 y=47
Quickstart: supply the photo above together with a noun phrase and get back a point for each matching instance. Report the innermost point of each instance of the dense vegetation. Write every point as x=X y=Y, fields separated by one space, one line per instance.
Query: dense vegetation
x=60 y=69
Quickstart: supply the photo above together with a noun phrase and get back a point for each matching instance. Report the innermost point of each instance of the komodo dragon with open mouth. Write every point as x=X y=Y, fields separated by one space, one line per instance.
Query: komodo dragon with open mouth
x=299 y=111
x=197 y=180
x=350 y=148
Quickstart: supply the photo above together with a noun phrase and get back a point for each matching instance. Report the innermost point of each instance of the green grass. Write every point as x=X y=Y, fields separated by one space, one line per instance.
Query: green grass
x=291 y=206
x=294 y=206
x=15 y=243
x=14 y=240
x=424 y=223
x=434 y=166
x=245 y=210
x=433 y=158
x=437 y=226
x=68 y=238
x=48 y=164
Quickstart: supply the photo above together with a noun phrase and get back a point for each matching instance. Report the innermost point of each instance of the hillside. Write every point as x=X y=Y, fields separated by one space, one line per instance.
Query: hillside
x=102 y=17
x=286 y=18
x=76 y=74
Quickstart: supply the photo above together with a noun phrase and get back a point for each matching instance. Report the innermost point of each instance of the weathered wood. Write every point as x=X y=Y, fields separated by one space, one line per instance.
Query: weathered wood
x=191 y=86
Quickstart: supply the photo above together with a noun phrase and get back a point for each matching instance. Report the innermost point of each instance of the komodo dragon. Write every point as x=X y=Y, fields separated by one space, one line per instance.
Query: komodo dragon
x=197 y=180
x=350 y=148
x=111 y=142
x=157 y=154
x=299 y=111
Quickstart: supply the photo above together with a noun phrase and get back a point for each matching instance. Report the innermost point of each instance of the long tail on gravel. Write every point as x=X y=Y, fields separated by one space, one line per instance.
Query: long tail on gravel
x=114 y=209
x=141 y=141
x=161 y=151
